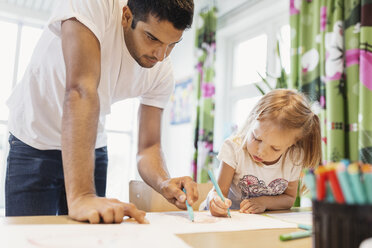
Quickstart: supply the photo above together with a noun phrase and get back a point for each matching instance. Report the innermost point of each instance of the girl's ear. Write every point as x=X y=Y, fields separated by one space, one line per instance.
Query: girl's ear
x=127 y=17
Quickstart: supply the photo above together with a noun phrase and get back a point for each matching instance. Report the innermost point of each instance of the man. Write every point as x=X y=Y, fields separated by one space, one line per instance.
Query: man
x=92 y=54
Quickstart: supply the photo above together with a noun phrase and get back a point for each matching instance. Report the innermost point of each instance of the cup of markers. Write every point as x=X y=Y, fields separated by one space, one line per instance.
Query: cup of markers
x=342 y=203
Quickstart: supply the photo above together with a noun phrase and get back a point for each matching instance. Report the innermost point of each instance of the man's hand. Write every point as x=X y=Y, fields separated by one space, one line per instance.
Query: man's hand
x=217 y=207
x=99 y=209
x=172 y=188
x=151 y=164
x=252 y=206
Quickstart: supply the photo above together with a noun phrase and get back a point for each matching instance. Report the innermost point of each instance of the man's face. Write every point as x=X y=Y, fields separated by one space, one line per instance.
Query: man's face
x=151 y=41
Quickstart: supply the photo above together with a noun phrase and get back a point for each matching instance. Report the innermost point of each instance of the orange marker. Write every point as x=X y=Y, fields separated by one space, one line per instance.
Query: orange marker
x=367 y=175
x=321 y=177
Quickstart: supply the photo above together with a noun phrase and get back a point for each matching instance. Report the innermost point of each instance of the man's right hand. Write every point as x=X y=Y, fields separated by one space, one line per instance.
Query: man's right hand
x=81 y=108
x=99 y=209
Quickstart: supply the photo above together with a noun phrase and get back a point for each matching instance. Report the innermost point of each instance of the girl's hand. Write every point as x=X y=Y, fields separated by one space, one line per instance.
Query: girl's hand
x=217 y=207
x=252 y=206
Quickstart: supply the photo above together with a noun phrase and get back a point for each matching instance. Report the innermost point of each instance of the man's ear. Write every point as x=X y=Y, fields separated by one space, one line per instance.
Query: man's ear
x=127 y=17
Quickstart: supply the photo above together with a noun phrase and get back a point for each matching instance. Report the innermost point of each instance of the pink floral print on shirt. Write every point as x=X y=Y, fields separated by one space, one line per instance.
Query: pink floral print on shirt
x=251 y=186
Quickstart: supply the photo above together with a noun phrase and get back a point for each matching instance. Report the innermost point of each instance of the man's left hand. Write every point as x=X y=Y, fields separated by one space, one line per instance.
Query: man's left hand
x=172 y=188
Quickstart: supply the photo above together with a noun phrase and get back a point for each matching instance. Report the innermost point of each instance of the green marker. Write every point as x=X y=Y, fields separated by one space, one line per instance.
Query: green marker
x=295 y=235
x=189 y=209
x=215 y=184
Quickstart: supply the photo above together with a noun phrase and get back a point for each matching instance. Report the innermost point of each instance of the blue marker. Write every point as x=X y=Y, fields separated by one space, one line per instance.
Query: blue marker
x=215 y=184
x=309 y=179
x=189 y=209
x=344 y=180
x=329 y=194
x=367 y=182
x=306 y=227
x=356 y=184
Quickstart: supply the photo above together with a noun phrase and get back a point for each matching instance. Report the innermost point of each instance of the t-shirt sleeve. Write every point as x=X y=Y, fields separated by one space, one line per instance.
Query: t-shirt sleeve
x=295 y=173
x=95 y=15
x=227 y=153
x=158 y=96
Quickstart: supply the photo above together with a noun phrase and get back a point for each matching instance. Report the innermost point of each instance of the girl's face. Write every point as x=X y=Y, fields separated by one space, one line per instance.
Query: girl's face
x=266 y=141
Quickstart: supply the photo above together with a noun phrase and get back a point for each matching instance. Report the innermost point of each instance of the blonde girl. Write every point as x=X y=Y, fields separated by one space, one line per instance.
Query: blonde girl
x=261 y=164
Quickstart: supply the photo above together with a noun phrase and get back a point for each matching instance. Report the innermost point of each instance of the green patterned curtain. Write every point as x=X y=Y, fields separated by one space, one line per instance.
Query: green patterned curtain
x=331 y=55
x=205 y=89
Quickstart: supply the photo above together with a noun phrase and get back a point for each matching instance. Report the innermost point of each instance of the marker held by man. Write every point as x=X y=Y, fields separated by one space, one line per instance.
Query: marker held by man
x=189 y=209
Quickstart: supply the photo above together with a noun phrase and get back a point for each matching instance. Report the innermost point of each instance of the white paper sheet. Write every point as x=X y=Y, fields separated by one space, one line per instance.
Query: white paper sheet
x=86 y=236
x=178 y=222
x=295 y=217
x=159 y=233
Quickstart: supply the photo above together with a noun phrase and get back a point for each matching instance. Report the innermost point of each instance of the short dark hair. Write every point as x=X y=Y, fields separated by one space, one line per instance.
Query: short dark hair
x=178 y=12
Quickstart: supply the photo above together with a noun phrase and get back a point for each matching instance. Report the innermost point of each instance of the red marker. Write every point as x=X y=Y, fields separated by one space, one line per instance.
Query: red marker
x=335 y=185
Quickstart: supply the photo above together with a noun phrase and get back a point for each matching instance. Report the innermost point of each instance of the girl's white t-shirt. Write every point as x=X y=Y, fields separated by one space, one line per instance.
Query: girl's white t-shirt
x=36 y=104
x=253 y=180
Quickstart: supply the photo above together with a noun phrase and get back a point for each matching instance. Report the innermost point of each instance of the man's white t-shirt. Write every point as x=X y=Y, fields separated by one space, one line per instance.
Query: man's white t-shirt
x=252 y=179
x=36 y=104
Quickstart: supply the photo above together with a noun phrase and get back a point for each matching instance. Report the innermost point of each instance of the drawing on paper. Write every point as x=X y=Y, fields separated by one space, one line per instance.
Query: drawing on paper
x=198 y=218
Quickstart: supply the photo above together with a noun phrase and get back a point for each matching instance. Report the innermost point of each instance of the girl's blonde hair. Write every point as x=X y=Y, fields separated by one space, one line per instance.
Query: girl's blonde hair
x=290 y=109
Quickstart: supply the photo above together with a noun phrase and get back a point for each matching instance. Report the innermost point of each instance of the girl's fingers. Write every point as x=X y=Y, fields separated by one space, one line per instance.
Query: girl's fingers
x=222 y=204
x=216 y=210
x=253 y=209
x=228 y=202
x=245 y=207
x=243 y=203
x=258 y=209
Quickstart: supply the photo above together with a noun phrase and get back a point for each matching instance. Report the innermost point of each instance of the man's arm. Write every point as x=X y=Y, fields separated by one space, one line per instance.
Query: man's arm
x=81 y=51
x=151 y=163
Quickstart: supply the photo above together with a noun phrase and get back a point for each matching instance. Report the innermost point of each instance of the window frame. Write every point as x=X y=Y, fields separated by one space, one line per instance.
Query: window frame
x=20 y=24
x=241 y=24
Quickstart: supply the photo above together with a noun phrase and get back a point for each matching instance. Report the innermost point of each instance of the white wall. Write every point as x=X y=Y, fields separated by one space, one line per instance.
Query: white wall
x=236 y=15
x=177 y=140
x=253 y=15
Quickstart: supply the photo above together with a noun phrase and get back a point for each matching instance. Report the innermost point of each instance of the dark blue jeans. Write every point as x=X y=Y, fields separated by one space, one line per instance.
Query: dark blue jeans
x=34 y=180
